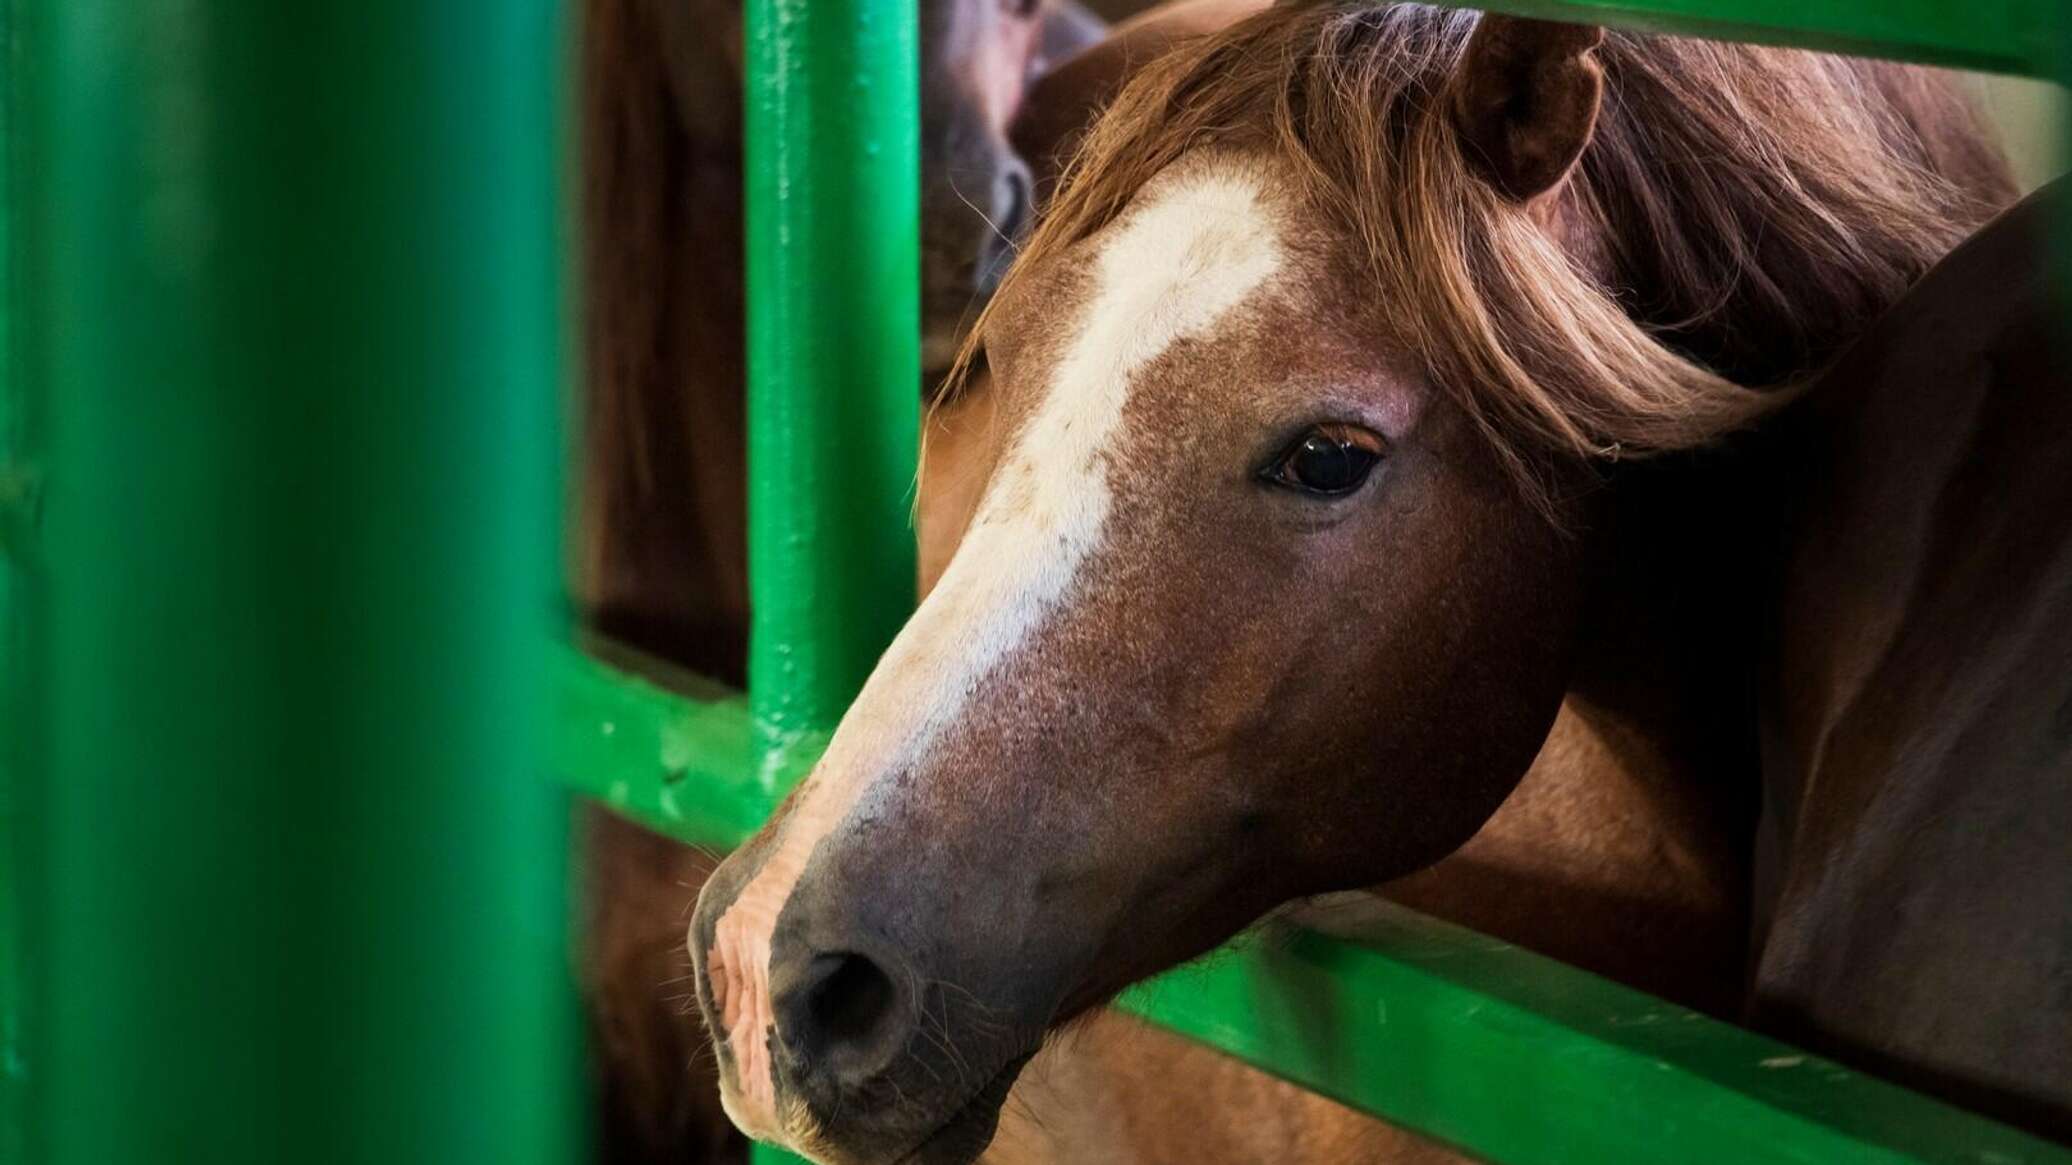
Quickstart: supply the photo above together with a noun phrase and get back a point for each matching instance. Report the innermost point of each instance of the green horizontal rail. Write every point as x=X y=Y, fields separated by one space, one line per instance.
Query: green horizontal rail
x=2001 y=36
x=1518 y=1058
x=683 y=765
x=1510 y=1056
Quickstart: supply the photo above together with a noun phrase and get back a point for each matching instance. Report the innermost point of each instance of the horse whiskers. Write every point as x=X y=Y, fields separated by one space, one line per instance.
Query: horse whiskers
x=945 y=1043
x=921 y=1060
x=943 y=1026
x=945 y=985
x=705 y=1054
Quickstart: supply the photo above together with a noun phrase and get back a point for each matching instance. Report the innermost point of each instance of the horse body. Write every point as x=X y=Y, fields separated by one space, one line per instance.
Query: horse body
x=1919 y=740
x=1498 y=292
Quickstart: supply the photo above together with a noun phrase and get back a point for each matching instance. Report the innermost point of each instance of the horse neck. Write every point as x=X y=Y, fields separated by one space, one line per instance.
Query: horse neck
x=1665 y=676
x=1687 y=543
x=1625 y=848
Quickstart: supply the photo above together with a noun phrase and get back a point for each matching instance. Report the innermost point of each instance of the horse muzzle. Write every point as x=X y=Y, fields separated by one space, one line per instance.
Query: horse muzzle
x=843 y=1035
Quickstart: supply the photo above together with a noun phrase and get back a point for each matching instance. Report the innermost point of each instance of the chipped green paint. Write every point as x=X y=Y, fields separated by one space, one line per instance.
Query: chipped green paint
x=629 y=736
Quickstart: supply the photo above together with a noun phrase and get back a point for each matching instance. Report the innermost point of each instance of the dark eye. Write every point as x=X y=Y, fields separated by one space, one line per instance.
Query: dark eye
x=1329 y=460
x=1021 y=9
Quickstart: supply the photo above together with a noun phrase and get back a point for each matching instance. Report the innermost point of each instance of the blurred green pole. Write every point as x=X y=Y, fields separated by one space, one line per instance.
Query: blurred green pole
x=834 y=357
x=287 y=304
x=17 y=857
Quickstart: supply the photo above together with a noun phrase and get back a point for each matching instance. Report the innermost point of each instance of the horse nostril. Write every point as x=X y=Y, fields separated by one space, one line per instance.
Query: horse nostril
x=845 y=1010
x=853 y=1001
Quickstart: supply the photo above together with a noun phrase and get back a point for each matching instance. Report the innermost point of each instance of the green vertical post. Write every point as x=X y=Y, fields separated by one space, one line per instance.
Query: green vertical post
x=834 y=358
x=289 y=323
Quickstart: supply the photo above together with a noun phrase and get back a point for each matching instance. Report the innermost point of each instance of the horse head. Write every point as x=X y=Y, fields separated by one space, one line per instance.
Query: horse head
x=1272 y=506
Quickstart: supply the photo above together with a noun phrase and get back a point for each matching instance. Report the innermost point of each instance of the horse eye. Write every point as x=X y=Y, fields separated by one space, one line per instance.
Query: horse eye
x=1329 y=460
x=1020 y=9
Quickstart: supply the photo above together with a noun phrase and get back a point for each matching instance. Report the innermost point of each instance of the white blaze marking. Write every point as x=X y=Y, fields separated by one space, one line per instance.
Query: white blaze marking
x=1197 y=242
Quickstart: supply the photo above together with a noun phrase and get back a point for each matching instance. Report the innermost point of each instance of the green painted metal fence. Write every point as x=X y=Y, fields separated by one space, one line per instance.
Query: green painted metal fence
x=284 y=357
x=278 y=351
x=1506 y=1054
x=834 y=332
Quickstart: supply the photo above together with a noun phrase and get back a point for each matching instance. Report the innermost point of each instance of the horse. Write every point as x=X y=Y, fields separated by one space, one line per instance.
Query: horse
x=1120 y=1090
x=1666 y=885
x=1916 y=702
x=660 y=558
x=1544 y=872
x=1365 y=400
x=1891 y=688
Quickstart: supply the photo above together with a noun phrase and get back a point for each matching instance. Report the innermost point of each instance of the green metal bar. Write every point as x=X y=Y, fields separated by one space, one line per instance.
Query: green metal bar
x=2002 y=36
x=1510 y=1056
x=291 y=293
x=834 y=364
x=1517 y=1058
x=686 y=767
x=834 y=360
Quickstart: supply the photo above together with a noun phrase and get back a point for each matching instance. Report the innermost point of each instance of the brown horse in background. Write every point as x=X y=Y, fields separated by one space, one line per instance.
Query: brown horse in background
x=1918 y=703
x=1501 y=298
x=660 y=548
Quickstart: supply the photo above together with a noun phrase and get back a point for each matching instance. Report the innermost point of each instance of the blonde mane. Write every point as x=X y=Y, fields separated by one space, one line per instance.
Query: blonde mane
x=1749 y=211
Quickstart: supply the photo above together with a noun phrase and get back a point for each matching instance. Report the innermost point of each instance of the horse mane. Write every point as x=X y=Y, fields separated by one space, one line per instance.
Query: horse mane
x=1752 y=210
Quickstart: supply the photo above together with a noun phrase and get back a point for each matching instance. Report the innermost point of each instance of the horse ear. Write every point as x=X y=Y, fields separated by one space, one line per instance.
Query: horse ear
x=1525 y=99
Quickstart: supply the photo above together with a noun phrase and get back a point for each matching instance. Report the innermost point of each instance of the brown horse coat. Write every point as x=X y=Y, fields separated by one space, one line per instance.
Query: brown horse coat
x=1919 y=710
